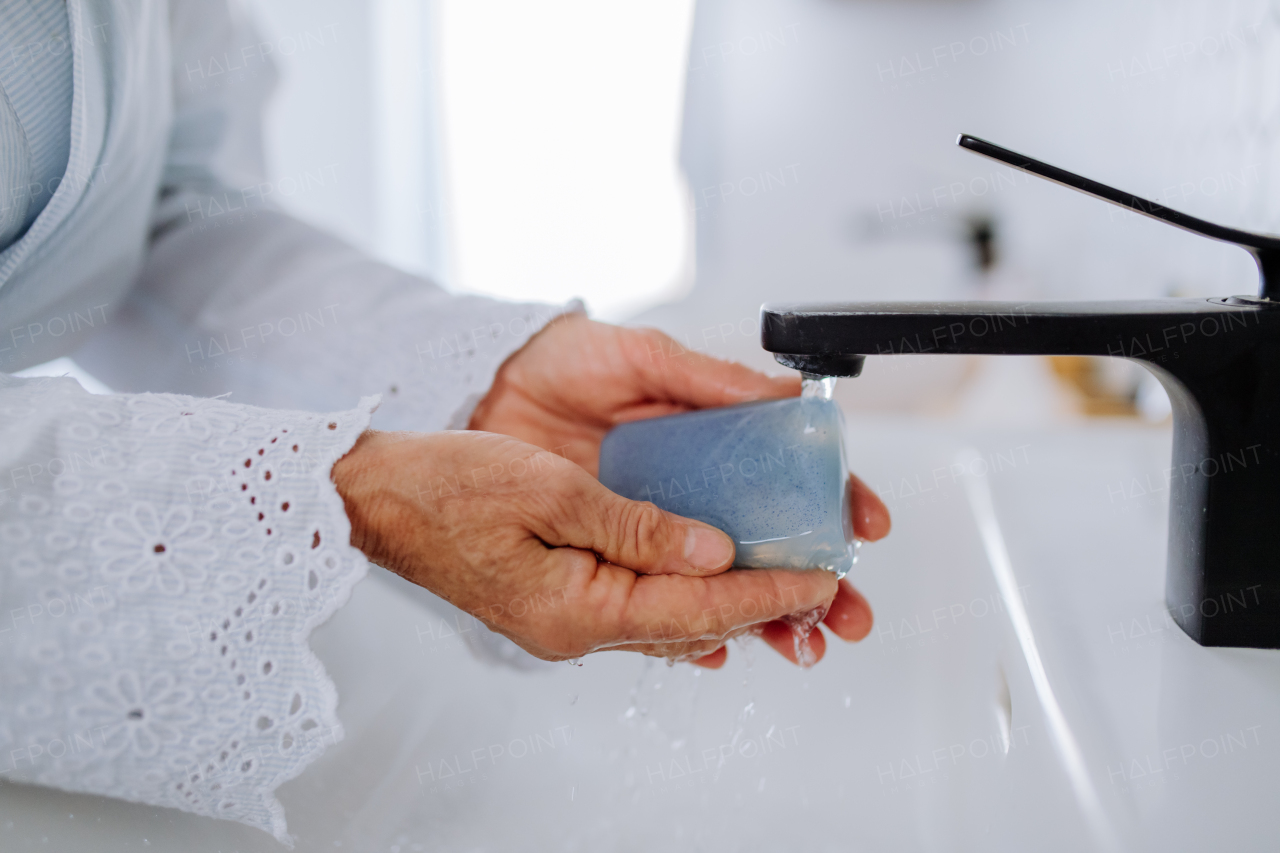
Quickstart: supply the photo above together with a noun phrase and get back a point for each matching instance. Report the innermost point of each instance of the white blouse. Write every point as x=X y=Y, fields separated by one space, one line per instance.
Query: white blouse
x=164 y=556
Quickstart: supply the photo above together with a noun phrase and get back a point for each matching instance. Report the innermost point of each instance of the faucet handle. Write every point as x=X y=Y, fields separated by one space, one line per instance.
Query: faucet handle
x=1265 y=248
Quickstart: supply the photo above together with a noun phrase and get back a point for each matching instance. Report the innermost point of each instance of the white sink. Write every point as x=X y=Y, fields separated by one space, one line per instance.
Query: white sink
x=932 y=734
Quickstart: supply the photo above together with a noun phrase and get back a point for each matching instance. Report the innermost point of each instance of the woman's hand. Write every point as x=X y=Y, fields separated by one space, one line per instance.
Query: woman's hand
x=577 y=379
x=533 y=546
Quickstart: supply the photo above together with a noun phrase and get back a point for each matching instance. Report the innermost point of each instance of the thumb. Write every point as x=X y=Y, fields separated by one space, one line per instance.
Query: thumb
x=638 y=536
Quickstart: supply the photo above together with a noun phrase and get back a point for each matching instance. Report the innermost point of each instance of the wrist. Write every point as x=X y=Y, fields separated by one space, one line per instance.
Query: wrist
x=361 y=479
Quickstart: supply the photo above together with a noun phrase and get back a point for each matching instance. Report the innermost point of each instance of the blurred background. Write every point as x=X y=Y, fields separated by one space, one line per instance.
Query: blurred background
x=678 y=163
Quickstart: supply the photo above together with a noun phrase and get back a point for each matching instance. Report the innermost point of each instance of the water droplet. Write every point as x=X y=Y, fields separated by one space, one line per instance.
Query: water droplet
x=848 y=701
x=573 y=699
x=743 y=642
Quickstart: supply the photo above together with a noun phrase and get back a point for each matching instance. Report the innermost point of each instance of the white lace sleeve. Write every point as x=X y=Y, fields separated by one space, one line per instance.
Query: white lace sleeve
x=163 y=560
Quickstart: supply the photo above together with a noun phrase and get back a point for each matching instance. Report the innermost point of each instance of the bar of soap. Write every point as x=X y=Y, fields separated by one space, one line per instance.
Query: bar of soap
x=772 y=475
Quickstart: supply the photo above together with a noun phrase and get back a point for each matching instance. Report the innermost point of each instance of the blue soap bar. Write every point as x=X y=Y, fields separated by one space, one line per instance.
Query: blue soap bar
x=772 y=475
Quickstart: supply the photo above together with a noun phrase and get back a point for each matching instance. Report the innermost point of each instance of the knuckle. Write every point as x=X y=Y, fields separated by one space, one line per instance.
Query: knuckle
x=559 y=500
x=648 y=346
x=649 y=334
x=639 y=526
x=710 y=616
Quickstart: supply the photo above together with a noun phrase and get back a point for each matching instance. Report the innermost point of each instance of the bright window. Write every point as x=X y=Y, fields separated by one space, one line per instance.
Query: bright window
x=560 y=123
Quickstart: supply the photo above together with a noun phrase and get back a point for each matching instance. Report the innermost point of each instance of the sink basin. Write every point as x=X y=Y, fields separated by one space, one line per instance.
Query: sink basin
x=1051 y=707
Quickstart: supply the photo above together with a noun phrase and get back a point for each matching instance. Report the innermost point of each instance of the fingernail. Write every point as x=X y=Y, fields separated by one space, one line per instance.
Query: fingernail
x=706 y=548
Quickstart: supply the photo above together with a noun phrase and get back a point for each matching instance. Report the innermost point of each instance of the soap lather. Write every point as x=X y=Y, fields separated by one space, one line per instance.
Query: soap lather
x=771 y=474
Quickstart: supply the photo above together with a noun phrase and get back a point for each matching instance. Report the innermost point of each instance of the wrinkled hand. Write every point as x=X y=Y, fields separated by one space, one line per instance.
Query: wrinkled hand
x=577 y=379
x=537 y=549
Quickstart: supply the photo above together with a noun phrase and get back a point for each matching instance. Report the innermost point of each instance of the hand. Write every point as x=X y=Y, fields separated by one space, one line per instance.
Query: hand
x=533 y=546
x=577 y=379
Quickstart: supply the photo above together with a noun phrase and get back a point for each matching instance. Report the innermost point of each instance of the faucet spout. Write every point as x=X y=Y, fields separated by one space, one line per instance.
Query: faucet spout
x=823 y=338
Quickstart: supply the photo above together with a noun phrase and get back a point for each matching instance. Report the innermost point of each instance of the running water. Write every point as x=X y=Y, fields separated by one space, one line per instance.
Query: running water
x=663 y=702
x=802 y=625
x=818 y=387
x=744 y=643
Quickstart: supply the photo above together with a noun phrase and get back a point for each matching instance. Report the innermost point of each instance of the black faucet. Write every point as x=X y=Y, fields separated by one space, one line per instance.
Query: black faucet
x=1218 y=359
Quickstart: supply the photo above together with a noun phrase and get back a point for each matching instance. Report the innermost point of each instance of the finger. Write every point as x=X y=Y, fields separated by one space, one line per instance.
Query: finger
x=870 y=515
x=677 y=608
x=644 y=411
x=850 y=615
x=636 y=534
x=782 y=639
x=672 y=372
x=715 y=660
